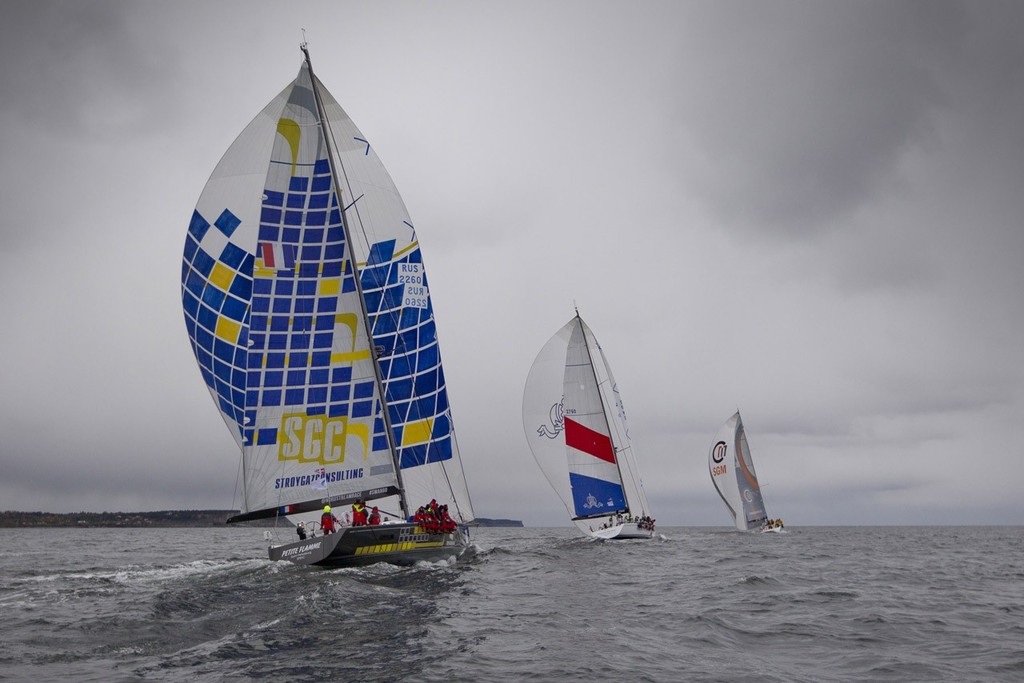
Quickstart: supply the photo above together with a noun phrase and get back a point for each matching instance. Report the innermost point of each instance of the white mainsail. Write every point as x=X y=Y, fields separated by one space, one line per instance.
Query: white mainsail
x=281 y=328
x=732 y=471
x=576 y=426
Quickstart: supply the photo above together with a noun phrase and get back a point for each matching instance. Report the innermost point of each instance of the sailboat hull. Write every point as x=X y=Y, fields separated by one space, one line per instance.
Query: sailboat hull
x=401 y=544
x=625 y=531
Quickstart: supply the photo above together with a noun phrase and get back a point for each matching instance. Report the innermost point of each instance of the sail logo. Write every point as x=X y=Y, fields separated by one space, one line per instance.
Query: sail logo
x=320 y=439
x=318 y=481
x=557 y=420
x=593 y=502
x=718 y=455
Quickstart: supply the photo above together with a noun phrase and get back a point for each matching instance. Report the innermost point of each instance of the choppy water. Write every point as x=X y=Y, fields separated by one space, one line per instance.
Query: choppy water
x=815 y=604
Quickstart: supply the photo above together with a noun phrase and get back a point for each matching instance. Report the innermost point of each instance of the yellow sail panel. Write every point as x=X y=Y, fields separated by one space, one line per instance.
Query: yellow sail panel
x=417 y=432
x=228 y=330
x=222 y=276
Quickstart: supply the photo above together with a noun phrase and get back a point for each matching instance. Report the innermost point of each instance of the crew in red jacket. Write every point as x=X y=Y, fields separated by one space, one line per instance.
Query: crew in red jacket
x=358 y=513
x=328 y=520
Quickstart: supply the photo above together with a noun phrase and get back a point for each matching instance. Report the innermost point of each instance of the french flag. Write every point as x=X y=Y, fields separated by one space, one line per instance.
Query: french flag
x=277 y=256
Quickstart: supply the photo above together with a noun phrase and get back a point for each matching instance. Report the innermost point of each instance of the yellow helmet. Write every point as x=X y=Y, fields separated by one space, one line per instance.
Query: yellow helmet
x=327 y=508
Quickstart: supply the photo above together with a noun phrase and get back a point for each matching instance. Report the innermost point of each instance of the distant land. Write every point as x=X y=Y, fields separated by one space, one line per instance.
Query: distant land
x=163 y=518
x=484 y=521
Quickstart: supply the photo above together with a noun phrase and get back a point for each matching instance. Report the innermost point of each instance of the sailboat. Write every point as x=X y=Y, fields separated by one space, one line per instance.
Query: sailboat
x=576 y=426
x=308 y=309
x=732 y=471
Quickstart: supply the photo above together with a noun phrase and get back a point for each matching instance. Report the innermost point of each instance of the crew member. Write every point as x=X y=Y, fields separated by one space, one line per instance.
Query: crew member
x=358 y=513
x=328 y=520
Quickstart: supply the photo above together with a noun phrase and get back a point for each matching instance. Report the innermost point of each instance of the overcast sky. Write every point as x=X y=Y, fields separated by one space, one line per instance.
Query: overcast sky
x=812 y=212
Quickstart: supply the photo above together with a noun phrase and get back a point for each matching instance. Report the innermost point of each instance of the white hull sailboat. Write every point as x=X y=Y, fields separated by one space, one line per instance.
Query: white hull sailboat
x=732 y=472
x=308 y=309
x=576 y=426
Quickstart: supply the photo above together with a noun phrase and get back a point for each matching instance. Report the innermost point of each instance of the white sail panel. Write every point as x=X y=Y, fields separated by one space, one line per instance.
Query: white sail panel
x=629 y=470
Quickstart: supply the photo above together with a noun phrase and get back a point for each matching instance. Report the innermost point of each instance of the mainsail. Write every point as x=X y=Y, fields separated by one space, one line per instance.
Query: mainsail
x=576 y=426
x=732 y=471
x=309 y=313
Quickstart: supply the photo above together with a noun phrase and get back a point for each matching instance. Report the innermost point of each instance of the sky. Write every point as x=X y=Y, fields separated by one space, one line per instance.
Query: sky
x=810 y=212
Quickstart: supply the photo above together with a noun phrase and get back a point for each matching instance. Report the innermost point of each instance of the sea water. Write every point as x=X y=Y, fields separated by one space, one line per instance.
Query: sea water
x=694 y=604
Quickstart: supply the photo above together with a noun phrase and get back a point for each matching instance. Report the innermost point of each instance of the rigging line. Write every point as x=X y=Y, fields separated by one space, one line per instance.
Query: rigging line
x=604 y=386
x=334 y=162
x=444 y=471
x=353 y=202
x=455 y=499
x=238 y=477
x=604 y=408
x=394 y=315
x=364 y=234
x=620 y=428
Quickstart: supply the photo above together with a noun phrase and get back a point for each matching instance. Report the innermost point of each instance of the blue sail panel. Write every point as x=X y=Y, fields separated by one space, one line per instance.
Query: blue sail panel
x=595 y=497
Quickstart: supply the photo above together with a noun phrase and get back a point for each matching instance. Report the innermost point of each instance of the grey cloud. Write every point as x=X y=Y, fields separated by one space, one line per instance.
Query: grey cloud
x=805 y=110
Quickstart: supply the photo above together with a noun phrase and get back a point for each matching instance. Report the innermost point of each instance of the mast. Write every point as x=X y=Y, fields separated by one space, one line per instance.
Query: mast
x=604 y=407
x=328 y=142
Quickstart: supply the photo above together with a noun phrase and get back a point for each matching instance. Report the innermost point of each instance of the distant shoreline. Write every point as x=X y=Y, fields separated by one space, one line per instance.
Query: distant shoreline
x=163 y=518
x=160 y=518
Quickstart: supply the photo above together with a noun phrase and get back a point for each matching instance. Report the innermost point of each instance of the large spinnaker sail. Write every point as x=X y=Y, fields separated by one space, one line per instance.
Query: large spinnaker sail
x=576 y=427
x=732 y=471
x=274 y=317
